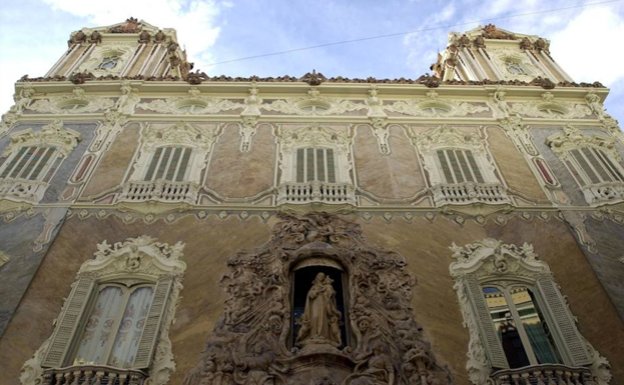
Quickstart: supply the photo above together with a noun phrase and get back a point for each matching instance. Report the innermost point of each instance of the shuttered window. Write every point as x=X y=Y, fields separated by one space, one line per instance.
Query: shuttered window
x=28 y=163
x=315 y=164
x=596 y=166
x=169 y=163
x=459 y=166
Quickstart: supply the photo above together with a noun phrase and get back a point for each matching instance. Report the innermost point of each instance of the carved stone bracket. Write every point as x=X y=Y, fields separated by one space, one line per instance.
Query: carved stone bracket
x=250 y=343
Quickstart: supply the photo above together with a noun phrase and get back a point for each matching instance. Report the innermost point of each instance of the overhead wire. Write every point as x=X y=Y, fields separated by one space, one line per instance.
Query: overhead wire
x=410 y=32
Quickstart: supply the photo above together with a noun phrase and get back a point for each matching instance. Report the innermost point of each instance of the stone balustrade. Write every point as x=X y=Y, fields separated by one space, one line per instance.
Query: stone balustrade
x=316 y=192
x=22 y=190
x=548 y=374
x=604 y=193
x=159 y=190
x=467 y=193
x=93 y=375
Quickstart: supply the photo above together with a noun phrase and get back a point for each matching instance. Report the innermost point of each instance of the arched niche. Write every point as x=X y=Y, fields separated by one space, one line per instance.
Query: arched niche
x=314 y=278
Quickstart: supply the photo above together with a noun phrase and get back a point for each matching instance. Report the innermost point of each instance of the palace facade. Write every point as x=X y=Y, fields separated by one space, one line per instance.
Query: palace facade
x=160 y=226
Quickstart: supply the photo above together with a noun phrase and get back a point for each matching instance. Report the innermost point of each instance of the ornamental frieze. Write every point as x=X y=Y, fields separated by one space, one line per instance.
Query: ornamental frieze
x=313 y=105
x=551 y=108
x=194 y=103
x=433 y=105
x=75 y=103
x=317 y=304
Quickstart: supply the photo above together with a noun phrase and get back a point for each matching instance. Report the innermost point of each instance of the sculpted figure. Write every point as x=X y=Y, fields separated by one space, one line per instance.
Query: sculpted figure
x=23 y=99
x=593 y=101
x=256 y=366
x=127 y=100
x=499 y=99
x=320 y=319
x=376 y=370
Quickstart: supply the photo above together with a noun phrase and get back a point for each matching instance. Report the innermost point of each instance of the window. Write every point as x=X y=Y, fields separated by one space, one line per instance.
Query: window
x=551 y=111
x=434 y=110
x=314 y=108
x=108 y=63
x=29 y=163
x=74 y=106
x=459 y=166
x=169 y=163
x=192 y=107
x=515 y=68
x=517 y=318
x=115 y=317
x=594 y=163
x=316 y=164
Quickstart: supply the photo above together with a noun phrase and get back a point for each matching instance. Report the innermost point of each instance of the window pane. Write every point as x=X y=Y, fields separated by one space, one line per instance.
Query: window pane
x=163 y=163
x=505 y=327
x=152 y=166
x=174 y=164
x=331 y=166
x=464 y=165
x=320 y=164
x=14 y=160
x=310 y=164
x=535 y=326
x=597 y=165
x=131 y=327
x=300 y=165
x=445 y=167
x=585 y=166
x=455 y=166
x=610 y=166
x=97 y=331
x=475 y=168
x=184 y=164
x=25 y=159
x=42 y=162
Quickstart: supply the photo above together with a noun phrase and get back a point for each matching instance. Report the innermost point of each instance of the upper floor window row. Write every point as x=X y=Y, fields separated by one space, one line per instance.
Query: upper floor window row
x=28 y=163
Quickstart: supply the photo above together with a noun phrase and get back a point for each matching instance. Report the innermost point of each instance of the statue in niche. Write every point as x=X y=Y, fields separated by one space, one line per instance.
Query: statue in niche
x=320 y=322
x=376 y=369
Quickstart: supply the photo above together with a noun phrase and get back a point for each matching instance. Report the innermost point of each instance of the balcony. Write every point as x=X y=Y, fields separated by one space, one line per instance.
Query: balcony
x=543 y=375
x=159 y=190
x=22 y=190
x=316 y=192
x=93 y=374
x=469 y=193
x=601 y=193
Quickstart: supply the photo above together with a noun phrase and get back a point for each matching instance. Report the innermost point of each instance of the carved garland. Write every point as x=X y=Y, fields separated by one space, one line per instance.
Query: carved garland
x=76 y=103
x=141 y=259
x=122 y=52
x=492 y=261
x=203 y=104
x=250 y=342
x=550 y=108
x=429 y=106
x=328 y=105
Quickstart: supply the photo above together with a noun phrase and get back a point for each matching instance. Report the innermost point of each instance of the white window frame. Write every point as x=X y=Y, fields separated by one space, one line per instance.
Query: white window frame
x=52 y=136
x=595 y=193
x=491 y=262
x=136 y=261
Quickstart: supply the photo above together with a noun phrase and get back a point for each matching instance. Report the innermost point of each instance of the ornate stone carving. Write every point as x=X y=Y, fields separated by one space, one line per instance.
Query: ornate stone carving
x=593 y=101
x=192 y=104
x=499 y=100
x=313 y=78
x=490 y=31
x=128 y=99
x=75 y=103
x=132 y=261
x=131 y=25
x=550 y=108
x=433 y=105
x=53 y=134
x=495 y=262
x=119 y=54
x=514 y=64
x=313 y=105
x=7 y=121
x=23 y=99
x=247 y=130
x=572 y=139
x=382 y=133
x=250 y=344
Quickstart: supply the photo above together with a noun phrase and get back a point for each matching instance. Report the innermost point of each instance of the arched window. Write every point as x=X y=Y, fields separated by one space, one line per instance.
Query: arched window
x=319 y=312
x=519 y=323
x=115 y=317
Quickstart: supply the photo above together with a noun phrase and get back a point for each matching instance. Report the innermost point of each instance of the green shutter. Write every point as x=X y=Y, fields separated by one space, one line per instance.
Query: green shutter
x=174 y=164
x=455 y=166
x=320 y=164
x=152 y=166
x=585 y=166
x=310 y=164
x=613 y=169
x=16 y=170
x=300 y=165
x=331 y=166
x=184 y=164
x=45 y=158
x=475 y=167
x=589 y=153
x=163 y=163
x=149 y=337
x=489 y=337
x=563 y=322
x=445 y=167
x=68 y=323
x=14 y=160
x=464 y=165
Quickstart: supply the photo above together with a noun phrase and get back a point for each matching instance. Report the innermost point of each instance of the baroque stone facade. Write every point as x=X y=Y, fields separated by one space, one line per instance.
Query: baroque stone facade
x=160 y=226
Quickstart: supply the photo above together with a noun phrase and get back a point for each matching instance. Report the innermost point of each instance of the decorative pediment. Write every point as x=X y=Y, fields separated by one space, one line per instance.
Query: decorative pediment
x=446 y=136
x=313 y=135
x=53 y=134
x=313 y=105
x=253 y=339
x=75 y=103
x=572 y=138
x=551 y=108
x=142 y=256
x=181 y=133
x=108 y=59
x=433 y=106
x=491 y=257
x=192 y=104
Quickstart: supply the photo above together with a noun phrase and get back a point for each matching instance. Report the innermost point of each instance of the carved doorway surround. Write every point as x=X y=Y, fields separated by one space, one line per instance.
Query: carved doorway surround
x=253 y=341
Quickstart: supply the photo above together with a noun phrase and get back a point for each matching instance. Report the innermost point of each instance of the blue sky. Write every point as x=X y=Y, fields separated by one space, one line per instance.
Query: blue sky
x=33 y=34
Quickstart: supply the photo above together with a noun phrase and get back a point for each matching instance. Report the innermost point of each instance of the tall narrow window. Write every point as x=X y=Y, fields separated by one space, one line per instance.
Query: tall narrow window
x=113 y=330
x=169 y=163
x=596 y=166
x=459 y=166
x=28 y=163
x=315 y=164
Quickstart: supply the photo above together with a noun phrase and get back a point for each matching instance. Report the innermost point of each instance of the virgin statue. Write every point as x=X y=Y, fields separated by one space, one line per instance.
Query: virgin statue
x=320 y=320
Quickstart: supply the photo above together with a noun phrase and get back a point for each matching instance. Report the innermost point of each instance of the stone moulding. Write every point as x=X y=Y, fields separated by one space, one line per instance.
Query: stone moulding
x=136 y=260
x=83 y=103
x=491 y=261
x=329 y=105
x=417 y=107
x=250 y=343
x=551 y=108
x=53 y=134
x=204 y=104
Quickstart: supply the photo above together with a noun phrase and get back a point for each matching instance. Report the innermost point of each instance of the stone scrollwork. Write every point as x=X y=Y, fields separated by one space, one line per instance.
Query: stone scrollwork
x=192 y=104
x=75 y=103
x=313 y=105
x=118 y=54
x=551 y=108
x=433 y=106
x=53 y=134
x=572 y=138
x=136 y=260
x=253 y=342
